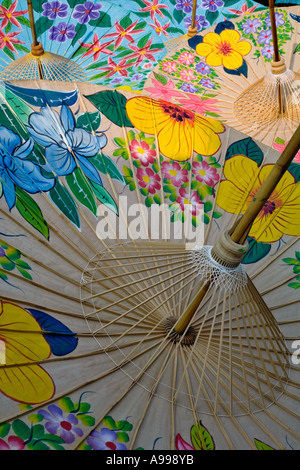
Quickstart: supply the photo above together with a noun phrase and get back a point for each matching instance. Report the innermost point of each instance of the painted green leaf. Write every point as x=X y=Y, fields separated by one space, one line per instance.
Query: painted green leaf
x=37 y=431
x=294 y=285
x=4 y=429
x=24 y=273
x=112 y=105
x=89 y=121
x=109 y=422
x=81 y=189
x=21 y=429
x=246 y=147
x=104 y=21
x=123 y=425
x=35 y=418
x=256 y=251
x=66 y=404
x=262 y=446
x=104 y=197
x=31 y=212
x=106 y=166
x=42 y=24
x=122 y=436
x=161 y=78
x=80 y=31
x=62 y=199
x=201 y=438
x=86 y=420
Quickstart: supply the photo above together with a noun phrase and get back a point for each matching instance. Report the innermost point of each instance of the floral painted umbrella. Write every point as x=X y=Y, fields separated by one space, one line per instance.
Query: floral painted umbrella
x=244 y=71
x=103 y=42
x=114 y=209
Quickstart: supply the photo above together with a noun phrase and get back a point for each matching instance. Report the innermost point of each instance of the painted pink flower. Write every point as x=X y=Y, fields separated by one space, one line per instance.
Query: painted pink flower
x=186 y=58
x=181 y=444
x=95 y=48
x=143 y=52
x=199 y=105
x=173 y=171
x=205 y=173
x=114 y=68
x=148 y=179
x=244 y=9
x=154 y=7
x=160 y=29
x=9 y=39
x=142 y=151
x=169 y=66
x=165 y=92
x=122 y=33
x=189 y=201
x=187 y=75
x=9 y=14
x=281 y=147
x=14 y=443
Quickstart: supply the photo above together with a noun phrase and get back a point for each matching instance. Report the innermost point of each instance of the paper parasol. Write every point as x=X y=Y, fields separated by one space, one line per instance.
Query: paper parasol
x=106 y=42
x=236 y=73
x=90 y=295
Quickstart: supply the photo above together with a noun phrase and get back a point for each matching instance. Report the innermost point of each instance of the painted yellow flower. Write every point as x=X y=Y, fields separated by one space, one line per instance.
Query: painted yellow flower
x=22 y=347
x=224 y=49
x=280 y=214
x=179 y=131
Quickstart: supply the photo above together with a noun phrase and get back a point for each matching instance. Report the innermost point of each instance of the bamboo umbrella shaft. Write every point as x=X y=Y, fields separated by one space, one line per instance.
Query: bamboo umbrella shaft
x=244 y=225
x=274 y=31
x=192 y=29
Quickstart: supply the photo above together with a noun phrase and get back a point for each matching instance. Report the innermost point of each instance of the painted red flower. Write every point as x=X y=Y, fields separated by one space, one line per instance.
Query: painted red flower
x=9 y=40
x=148 y=179
x=114 y=67
x=175 y=173
x=189 y=201
x=160 y=28
x=142 y=151
x=95 y=48
x=154 y=7
x=205 y=173
x=14 y=443
x=143 y=52
x=122 y=33
x=9 y=14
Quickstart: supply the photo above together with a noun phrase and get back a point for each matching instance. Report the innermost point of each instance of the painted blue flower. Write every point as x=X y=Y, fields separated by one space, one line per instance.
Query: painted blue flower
x=66 y=145
x=188 y=87
x=200 y=22
x=16 y=170
x=87 y=11
x=106 y=439
x=278 y=19
x=54 y=9
x=206 y=82
x=265 y=37
x=59 y=423
x=268 y=51
x=185 y=5
x=212 y=5
x=62 y=32
x=202 y=68
x=251 y=26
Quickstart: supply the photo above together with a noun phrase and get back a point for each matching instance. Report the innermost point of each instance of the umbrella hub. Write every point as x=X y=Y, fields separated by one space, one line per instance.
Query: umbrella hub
x=187 y=338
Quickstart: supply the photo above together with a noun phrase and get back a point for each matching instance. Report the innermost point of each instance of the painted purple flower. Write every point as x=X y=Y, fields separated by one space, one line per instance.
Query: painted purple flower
x=185 y=5
x=57 y=423
x=106 y=439
x=265 y=37
x=54 y=9
x=207 y=83
x=278 y=19
x=137 y=77
x=188 y=87
x=62 y=32
x=212 y=5
x=268 y=51
x=200 y=22
x=203 y=68
x=251 y=26
x=87 y=11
